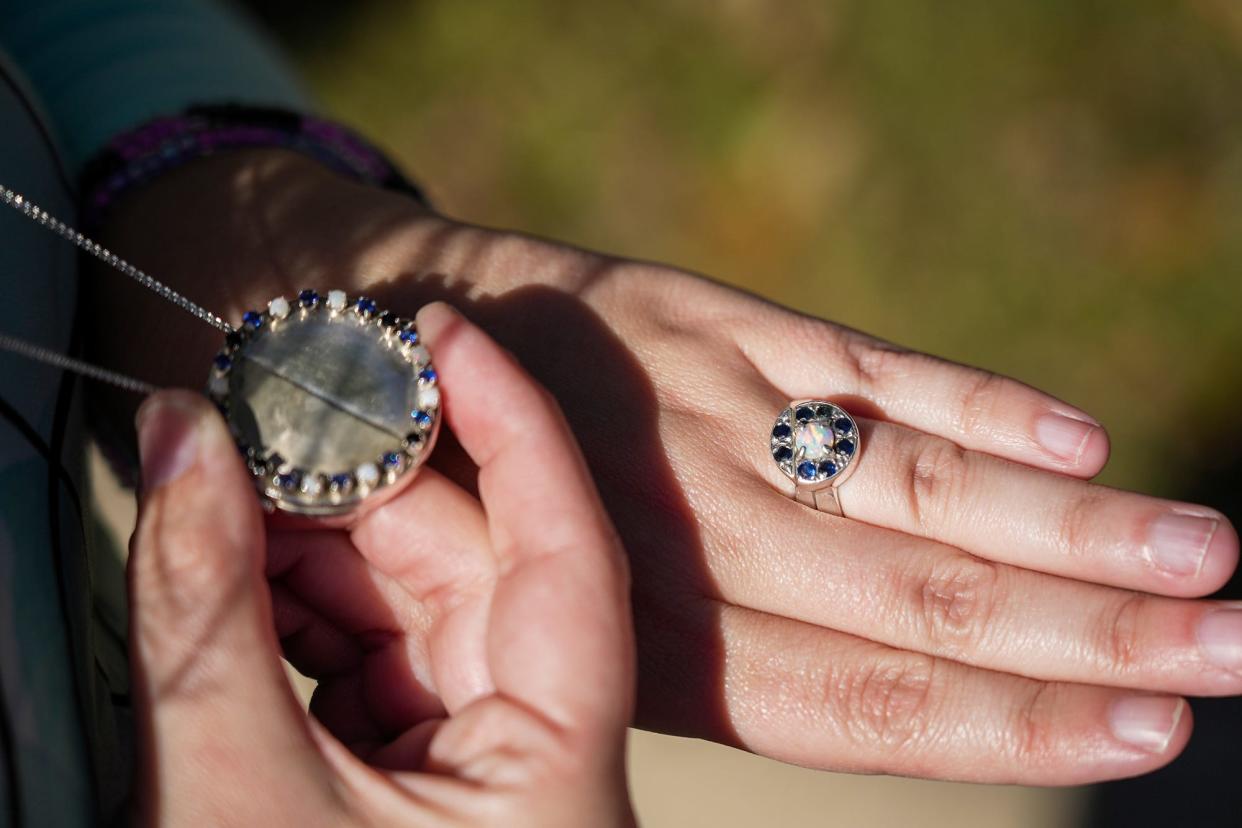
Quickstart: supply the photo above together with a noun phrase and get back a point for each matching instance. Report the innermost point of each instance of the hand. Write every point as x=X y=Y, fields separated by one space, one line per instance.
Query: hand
x=517 y=608
x=984 y=613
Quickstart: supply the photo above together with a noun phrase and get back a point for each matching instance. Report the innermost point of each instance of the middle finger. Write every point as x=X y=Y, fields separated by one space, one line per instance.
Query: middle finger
x=925 y=596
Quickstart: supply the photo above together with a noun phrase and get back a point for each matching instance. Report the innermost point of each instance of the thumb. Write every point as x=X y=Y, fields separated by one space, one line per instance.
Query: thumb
x=212 y=700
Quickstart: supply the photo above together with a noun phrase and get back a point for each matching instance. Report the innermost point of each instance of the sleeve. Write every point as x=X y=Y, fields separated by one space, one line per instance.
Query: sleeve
x=101 y=67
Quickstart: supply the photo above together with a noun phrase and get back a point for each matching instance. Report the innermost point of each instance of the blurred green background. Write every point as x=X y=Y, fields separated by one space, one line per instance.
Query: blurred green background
x=1049 y=189
x=1052 y=189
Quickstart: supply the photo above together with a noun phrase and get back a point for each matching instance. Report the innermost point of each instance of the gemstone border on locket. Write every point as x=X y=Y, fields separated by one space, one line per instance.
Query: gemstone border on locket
x=820 y=426
x=316 y=491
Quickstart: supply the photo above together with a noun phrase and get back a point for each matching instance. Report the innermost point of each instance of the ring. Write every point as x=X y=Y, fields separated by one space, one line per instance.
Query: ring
x=815 y=444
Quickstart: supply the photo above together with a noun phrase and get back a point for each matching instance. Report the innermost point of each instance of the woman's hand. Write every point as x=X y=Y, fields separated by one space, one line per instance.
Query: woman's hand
x=476 y=659
x=983 y=613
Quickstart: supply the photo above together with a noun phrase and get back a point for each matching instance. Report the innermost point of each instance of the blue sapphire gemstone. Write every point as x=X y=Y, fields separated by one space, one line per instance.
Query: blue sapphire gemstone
x=806 y=470
x=389 y=319
x=413 y=439
x=288 y=481
x=422 y=418
x=428 y=375
x=782 y=453
x=340 y=482
x=845 y=447
x=366 y=306
x=823 y=411
x=409 y=337
x=308 y=298
x=392 y=460
x=782 y=432
x=222 y=362
x=253 y=319
x=827 y=468
x=843 y=425
x=804 y=413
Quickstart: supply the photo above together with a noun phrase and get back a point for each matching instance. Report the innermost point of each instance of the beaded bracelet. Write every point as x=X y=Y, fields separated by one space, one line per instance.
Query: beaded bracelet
x=134 y=158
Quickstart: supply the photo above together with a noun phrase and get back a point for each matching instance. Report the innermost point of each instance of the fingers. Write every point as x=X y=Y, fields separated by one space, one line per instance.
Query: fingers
x=432 y=541
x=338 y=617
x=972 y=407
x=927 y=597
x=559 y=637
x=928 y=486
x=825 y=699
x=212 y=697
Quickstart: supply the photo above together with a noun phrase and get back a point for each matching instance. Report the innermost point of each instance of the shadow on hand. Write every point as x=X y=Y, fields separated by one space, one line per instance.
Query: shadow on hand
x=611 y=405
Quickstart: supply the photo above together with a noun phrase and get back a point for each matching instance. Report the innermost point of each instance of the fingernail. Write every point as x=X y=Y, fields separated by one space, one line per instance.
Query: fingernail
x=168 y=437
x=1146 y=721
x=1063 y=436
x=1220 y=638
x=1178 y=543
x=434 y=316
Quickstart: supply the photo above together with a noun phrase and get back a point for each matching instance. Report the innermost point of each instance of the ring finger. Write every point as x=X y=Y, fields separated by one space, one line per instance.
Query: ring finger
x=928 y=486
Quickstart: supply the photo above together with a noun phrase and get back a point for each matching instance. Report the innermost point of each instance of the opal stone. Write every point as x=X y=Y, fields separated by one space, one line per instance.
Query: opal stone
x=278 y=307
x=428 y=397
x=813 y=440
x=367 y=475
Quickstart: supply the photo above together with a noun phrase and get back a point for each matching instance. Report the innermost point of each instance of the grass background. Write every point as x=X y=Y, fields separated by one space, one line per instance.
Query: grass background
x=1052 y=190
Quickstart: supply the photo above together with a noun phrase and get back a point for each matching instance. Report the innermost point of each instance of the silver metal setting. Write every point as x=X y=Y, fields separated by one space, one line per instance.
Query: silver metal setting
x=816 y=443
x=330 y=401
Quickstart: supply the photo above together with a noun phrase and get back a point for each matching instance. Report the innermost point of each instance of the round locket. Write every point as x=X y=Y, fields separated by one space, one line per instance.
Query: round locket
x=331 y=401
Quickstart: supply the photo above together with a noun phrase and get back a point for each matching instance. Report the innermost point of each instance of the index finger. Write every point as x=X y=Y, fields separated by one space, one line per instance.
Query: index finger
x=559 y=627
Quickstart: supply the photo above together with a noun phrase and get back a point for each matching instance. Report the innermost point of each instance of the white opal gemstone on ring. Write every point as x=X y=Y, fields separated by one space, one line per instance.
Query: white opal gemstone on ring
x=814 y=440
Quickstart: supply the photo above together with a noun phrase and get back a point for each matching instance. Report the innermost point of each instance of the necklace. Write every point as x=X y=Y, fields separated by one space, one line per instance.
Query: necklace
x=331 y=400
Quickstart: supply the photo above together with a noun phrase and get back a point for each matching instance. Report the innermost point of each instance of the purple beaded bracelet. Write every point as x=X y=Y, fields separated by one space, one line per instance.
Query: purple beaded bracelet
x=134 y=158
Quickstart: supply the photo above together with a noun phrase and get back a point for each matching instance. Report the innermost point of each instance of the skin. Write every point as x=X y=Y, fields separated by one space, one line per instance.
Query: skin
x=527 y=631
x=984 y=613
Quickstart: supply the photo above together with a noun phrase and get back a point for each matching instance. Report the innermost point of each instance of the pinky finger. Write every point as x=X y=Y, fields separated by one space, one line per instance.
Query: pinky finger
x=844 y=703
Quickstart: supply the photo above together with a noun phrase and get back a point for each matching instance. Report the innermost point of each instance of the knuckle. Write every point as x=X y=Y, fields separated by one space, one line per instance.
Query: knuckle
x=958 y=600
x=887 y=702
x=180 y=567
x=873 y=362
x=1119 y=645
x=938 y=480
x=979 y=395
x=1035 y=739
x=1079 y=523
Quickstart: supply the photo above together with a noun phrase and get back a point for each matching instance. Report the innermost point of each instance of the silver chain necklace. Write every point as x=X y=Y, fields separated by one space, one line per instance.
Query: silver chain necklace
x=331 y=401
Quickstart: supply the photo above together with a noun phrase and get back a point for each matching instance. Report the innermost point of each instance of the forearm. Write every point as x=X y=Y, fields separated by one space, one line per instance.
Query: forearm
x=101 y=67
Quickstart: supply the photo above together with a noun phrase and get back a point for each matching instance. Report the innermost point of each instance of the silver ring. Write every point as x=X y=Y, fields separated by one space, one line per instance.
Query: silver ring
x=816 y=444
